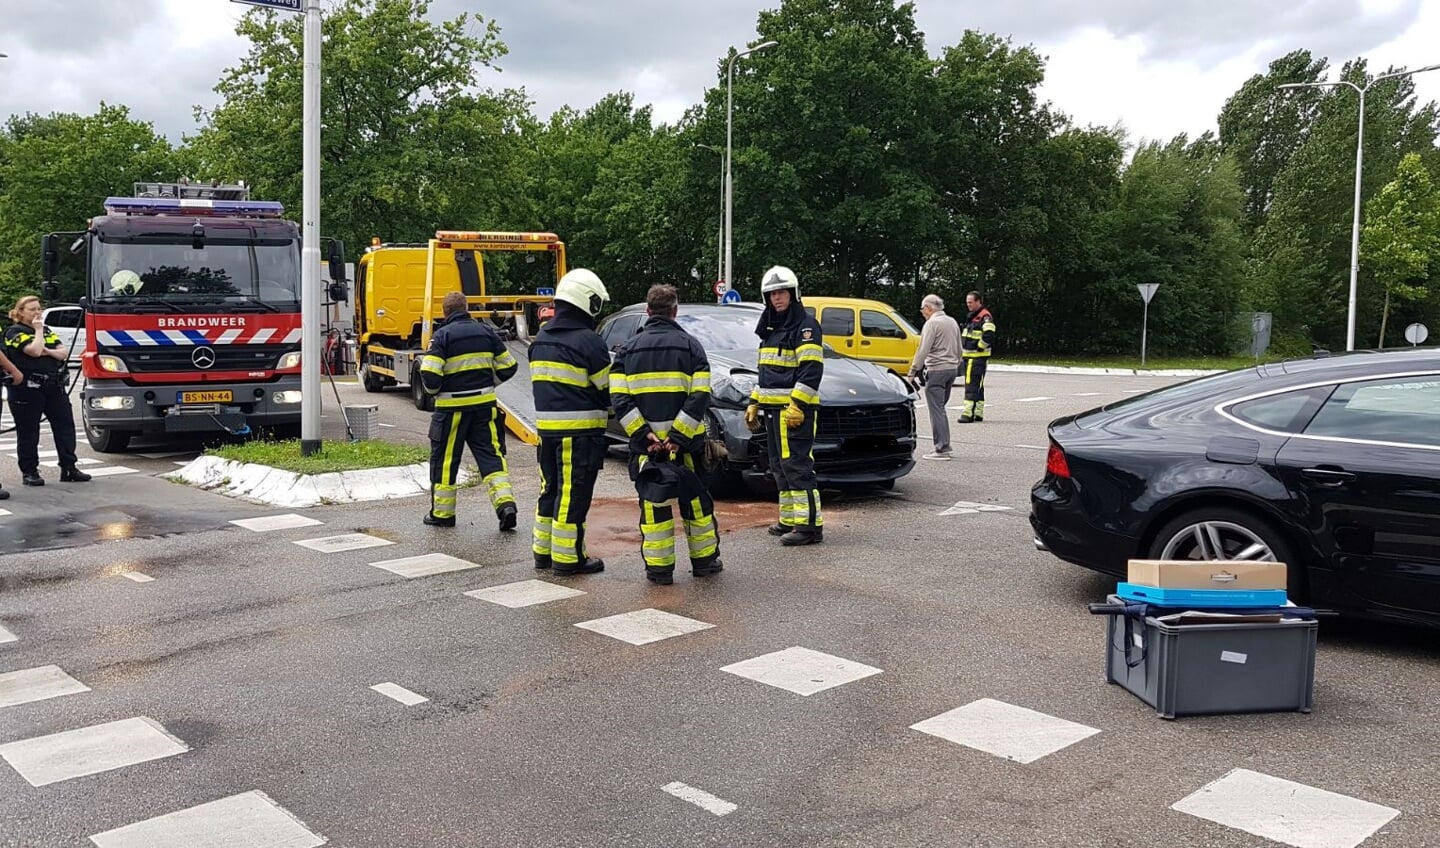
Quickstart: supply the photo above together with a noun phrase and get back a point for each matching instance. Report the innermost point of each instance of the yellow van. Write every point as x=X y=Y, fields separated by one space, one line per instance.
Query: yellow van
x=865 y=329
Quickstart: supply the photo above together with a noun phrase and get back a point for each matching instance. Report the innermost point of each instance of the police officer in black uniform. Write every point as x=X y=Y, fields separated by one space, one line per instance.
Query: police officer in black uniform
x=660 y=385
x=570 y=375
x=464 y=364
x=787 y=396
x=36 y=351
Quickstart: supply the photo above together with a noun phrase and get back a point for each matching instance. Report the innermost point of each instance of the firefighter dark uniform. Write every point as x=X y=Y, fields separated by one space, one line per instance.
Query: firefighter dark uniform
x=660 y=386
x=787 y=392
x=40 y=396
x=464 y=364
x=977 y=337
x=570 y=376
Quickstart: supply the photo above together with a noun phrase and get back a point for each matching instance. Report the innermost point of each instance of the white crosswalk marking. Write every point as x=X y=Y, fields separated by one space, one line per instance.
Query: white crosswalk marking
x=1005 y=730
x=110 y=470
x=524 y=593
x=1033 y=399
x=343 y=542
x=7 y=636
x=801 y=670
x=37 y=684
x=644 y=626
x=43 y=760
x=424 y=565
x=137 y=576
x=971 y=508
x=248 y=820
x=399 y=693
x=266 y=523
x=1285 y=811
x=700 y=798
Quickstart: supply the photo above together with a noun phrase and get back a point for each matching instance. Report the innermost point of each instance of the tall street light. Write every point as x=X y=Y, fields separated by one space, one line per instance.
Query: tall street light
x=1359 y=160
x=728 y=271
x=720 y=236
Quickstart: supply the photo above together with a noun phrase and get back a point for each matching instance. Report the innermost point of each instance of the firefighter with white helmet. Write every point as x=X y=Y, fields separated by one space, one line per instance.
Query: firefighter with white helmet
x=787 y=398
x=570 y=376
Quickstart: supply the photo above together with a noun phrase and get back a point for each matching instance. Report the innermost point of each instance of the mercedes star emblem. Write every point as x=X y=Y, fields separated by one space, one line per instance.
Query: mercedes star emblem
x=203 y=357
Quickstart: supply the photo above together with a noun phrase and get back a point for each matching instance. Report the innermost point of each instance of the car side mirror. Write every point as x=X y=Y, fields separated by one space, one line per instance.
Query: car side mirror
x=50 y=290
x=49 y=257
x=337 y=263
x=83 y=303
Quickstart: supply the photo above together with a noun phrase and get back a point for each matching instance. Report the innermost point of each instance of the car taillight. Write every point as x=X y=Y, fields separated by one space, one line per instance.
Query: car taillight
x=1055 y=462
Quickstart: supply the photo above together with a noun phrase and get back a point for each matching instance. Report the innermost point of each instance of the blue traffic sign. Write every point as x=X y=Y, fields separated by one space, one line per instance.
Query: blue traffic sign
x=282 y=5
x=731 y=296
x=545 y=291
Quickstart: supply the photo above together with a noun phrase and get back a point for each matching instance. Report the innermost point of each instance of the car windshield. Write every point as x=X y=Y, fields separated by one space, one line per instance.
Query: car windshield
x=221 y=271
x=721 y=330
x=1191 y=388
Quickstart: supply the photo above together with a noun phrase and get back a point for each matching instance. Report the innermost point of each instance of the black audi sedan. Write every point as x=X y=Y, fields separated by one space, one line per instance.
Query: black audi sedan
x=865 y=432
x=1329 y=464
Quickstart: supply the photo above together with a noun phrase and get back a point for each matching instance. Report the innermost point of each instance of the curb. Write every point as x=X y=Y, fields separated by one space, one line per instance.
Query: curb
x=276 y=487
x=1107 y=372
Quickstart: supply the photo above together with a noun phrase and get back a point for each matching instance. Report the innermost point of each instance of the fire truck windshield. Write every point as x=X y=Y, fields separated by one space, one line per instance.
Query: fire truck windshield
x=222 y=274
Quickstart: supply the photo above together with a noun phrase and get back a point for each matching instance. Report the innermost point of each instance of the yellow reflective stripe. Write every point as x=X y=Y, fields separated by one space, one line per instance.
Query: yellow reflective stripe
x=572 y=420
x=657 y=380
x=469 y=362
x=686 y=425
x=700 y=381
x=505 y=360
x=450 y=400
x=554 y=372
x=632 y=421
x=810 y=353
x=567 y=483
x=619 y=384
x=805 y=394
x=432 y=364
x=601 y=379
x=788 y=359
x=770 y=397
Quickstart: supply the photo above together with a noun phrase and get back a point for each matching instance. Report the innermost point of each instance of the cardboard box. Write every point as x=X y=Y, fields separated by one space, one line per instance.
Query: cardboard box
x=1188 y=574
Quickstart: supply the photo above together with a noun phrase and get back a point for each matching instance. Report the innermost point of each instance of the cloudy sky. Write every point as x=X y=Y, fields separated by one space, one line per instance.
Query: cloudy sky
x=1159 y=67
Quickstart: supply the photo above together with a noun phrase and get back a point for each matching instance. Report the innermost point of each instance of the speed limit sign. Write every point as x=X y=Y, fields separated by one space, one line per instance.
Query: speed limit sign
x=721 y=287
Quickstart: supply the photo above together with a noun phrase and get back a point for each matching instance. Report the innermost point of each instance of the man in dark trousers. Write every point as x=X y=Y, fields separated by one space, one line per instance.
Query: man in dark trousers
x=464 y=364
x=787 y=396
x=660 y=385
x=570 y=375
x=977 y=338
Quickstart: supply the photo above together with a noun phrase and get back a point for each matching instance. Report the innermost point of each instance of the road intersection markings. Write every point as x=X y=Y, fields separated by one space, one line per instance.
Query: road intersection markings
x=43 y=760
x=84 y=460
x=284 y=521
x=524 y=593
x=424 y=565
x=642 y=627
x=343 y=542
x=1285 y=811
x=137 y=576
x=399 y=693
x=248 y=820
x=1005 y=730
x=801 y=670
x=111 y=470
x=700 y=798
x=7 y=636
x=6 y=512
x=1034 y=399
x=37 y=684
x=971 y=508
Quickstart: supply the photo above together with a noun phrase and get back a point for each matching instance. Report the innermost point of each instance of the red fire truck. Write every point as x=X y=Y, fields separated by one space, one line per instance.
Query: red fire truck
x=192 y=313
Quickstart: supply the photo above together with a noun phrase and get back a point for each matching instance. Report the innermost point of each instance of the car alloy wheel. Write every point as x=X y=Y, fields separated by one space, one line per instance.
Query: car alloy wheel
x=1217 y=540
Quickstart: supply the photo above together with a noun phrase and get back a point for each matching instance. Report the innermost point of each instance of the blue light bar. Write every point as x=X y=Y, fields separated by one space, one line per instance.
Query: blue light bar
x=193 y=206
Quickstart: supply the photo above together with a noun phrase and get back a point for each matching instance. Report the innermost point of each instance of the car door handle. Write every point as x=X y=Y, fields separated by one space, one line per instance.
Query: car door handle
x=1329 y=477
x=865 y=342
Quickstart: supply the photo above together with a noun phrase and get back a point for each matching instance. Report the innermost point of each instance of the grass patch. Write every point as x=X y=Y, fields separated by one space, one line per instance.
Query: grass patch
x=332 y=456
x=1152 y=363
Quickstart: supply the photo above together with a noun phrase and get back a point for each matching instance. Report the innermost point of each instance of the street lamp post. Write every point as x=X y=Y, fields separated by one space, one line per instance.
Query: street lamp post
x=720 y=235
x=728 y=271
x=1359 y=161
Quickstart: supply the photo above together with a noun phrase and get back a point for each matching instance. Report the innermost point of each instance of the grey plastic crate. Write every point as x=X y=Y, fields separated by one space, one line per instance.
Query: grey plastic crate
x=1198 y=669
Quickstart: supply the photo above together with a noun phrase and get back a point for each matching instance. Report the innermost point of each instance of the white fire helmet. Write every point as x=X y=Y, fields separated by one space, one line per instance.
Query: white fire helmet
x=777 y=278
x=125 y=282
x=580 y=287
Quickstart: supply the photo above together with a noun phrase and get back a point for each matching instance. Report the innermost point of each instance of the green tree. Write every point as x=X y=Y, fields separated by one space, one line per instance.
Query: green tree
x=409 y=144
x=1401 y=238
x=55 y=173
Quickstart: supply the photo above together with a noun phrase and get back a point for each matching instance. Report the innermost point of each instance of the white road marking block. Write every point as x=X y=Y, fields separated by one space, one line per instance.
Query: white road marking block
x=801 y=670
x=642 y=627
x=285 y=521
x=1034 y=447
x=248 y=820
x=399 y=693
x=970 y=508
x=111 y=470
x=700 y=798
x=1033 y=399
x=424 y=565
x=37 y=684
x=1005 y=730
x=1087 y=394
x=343 y=542
x=524 y=593
x=391 y=426
x=167 y=454
x=43 y=760
x=1285 y=811
x=137 y=577
x=6 y=512
x=7 y=636
x=83 y=460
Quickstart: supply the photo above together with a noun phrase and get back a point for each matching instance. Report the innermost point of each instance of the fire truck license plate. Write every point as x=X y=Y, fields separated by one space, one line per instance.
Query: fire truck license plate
x=204 y=397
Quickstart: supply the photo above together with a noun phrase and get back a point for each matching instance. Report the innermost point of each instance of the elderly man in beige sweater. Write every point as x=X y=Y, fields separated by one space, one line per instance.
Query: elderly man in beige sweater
x=937 y=362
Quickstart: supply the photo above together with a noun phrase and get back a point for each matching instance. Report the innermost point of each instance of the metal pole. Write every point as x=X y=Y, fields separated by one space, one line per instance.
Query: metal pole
x=310 y=241
x=1355 y=227
x=728 y=186
x=1144 y=332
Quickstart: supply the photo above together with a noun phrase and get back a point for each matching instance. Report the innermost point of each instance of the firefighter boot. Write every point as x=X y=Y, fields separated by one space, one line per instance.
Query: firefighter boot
x=589 y=565
x=542 y=561
x=803 y=536
x=507 y=515
x=779 y=528
x=663 y=575
x=707 y=566
x=436 y=521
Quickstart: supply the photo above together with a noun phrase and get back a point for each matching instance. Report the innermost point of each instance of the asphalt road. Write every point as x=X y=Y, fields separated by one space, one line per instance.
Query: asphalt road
x=258 y=655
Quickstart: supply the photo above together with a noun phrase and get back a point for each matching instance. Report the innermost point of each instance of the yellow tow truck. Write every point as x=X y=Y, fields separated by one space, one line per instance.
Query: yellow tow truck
x=399 y=289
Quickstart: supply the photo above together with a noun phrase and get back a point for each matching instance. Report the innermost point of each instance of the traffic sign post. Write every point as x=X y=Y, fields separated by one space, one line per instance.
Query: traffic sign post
x=730 y=296
x=1147 y=291
x=721 y=287
x=282 y=5
x=1416 y=334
